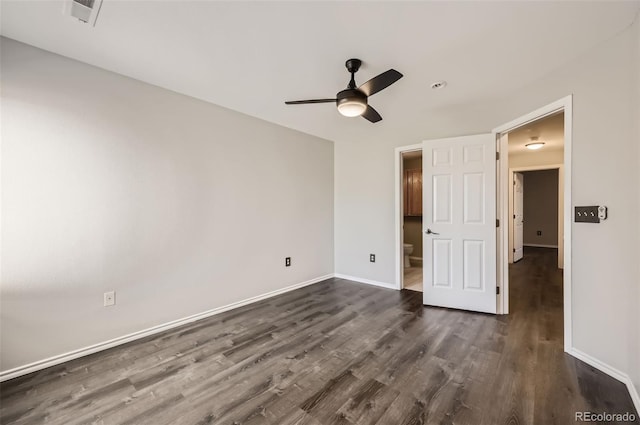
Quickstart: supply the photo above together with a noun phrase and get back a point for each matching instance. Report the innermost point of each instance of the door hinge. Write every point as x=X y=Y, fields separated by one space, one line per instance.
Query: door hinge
x=497 y=222
x=497 y=156
x=514 y=216
x=497 y=290
x=514 y=250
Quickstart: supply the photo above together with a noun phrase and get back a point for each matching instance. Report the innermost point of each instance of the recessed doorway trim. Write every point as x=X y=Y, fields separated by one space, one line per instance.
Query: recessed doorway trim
x=565 y=104
x=399 y=202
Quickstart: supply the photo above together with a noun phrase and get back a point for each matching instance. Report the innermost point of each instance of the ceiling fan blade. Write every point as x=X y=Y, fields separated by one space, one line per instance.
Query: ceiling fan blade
x=371 y=114
x=304 y=102
x=380 y=82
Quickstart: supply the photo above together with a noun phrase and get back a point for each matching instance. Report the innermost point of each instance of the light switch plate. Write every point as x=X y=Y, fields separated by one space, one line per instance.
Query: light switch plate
x=586 y=214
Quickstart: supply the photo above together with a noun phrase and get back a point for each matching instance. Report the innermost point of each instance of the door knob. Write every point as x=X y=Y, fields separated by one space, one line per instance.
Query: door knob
x=429 y=232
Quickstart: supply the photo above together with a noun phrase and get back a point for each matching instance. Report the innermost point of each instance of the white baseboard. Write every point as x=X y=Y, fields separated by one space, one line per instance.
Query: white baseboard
x=367 y=281
x=537 y=245
x=61 y=358
x=611 y=371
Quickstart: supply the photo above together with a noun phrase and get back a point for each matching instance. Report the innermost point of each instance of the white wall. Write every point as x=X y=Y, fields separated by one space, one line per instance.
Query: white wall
x=541 y=210
x=536 y=158
x=178 y=205
x=605 y=160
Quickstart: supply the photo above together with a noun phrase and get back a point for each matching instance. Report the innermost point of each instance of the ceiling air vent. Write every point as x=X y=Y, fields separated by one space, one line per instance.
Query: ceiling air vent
x=83 y=10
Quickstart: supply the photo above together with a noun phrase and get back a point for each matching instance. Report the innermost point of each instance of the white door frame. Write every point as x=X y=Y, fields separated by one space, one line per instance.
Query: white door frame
x=560 y=168
x=399 y=205
x=565 y=104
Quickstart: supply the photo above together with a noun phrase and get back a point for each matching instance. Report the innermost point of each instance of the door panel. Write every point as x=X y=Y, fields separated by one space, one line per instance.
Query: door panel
x=473 y=260
x=441 y=192
x=442 y=272
x=518 y=216
x=473 y=198
x=459 y=223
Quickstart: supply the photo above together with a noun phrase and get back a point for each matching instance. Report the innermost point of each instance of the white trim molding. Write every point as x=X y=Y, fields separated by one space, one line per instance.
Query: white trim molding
x=611 y=371
x=61 y=358
x=542 y=112
x=367 y=281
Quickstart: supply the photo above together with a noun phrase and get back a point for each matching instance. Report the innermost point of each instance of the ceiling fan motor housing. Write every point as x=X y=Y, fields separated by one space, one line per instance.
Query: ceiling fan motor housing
x=350 y=94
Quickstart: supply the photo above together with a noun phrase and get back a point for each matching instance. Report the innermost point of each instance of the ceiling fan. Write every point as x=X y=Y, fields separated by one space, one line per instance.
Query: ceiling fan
x=352 y=101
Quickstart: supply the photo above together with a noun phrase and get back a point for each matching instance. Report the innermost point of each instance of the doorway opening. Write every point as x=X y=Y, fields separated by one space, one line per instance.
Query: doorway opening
x=458 y=222
x=535 y=199
x=408 y=158
x=534 y=206
x=536 y=190
x=412 y=220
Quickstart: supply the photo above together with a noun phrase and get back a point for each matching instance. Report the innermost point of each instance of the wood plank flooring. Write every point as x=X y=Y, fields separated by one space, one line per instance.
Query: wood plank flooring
x=336 y=352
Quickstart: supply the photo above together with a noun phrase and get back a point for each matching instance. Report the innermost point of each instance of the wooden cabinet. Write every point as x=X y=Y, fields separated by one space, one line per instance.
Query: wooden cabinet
x=413 y=192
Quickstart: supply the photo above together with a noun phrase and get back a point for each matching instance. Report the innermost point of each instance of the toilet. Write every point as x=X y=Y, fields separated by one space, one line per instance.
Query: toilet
x=408 y=249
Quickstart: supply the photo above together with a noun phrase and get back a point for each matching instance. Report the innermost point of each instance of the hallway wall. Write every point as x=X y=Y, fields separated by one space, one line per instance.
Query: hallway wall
x=541 y=207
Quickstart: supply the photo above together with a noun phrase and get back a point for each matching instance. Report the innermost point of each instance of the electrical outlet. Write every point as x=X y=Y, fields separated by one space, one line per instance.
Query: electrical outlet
x=287 y=262
x=539 y=233
x=109 y=298
x=372 y=258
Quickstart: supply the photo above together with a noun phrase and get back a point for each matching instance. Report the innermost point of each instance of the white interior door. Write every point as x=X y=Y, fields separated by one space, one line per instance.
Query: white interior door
x=459 y=220
x=518 y=216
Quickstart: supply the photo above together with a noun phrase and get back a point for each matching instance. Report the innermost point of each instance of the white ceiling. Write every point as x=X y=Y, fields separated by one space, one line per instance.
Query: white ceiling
x=549 y=130
x=252 y=56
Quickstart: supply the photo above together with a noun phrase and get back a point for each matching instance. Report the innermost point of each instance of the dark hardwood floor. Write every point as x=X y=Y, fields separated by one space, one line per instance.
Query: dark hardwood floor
x=336 y=352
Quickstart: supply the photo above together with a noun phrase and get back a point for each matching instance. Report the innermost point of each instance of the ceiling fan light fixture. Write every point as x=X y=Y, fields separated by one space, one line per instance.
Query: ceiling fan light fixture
x=352 y=107
x=535 y=144
x=351 y=103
